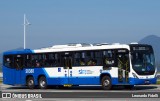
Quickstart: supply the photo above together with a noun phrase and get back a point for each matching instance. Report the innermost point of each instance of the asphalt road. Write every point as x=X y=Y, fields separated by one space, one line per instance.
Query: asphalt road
x=137 y=88
x=84 y=93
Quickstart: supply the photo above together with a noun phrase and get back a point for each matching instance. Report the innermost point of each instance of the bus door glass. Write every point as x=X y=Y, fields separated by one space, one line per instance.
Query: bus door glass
x=123 y=65
x=68 y=67
x=18 y=64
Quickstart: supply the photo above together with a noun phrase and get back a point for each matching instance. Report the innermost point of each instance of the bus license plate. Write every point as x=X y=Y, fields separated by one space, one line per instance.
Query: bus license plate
x=146 y=82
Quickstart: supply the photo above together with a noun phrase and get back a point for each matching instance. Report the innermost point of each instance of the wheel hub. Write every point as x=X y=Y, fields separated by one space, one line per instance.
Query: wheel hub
x=106 y=83
x=30 y=82
x=42 y=83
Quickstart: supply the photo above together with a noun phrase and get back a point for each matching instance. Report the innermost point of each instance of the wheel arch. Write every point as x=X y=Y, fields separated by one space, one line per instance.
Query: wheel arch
x=41 y=85
x=105 y=74
x=30 y=85
x=41 y=75
x=28 y=77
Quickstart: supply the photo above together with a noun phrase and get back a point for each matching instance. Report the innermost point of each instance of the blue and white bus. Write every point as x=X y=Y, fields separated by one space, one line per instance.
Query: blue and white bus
x=81 y=64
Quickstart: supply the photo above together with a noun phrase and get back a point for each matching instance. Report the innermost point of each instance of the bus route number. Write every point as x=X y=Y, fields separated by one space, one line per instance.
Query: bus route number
x=29 y=70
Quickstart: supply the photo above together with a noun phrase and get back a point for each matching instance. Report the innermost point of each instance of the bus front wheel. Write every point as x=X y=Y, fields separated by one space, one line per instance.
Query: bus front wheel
x=106 y=83
x=42 y=82
x=30 y=83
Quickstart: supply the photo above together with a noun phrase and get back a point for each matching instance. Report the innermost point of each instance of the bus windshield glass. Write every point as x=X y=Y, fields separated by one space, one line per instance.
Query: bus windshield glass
x=143 y=60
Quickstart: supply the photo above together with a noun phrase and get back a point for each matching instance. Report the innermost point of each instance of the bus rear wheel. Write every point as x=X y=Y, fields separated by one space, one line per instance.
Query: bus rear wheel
x=106 y=83
x=42 y=82
x=30 y=83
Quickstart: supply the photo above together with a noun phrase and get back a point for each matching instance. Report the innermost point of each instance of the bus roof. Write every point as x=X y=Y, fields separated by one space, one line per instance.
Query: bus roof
x=22 y=51
x=73 y=47
x=80 y=47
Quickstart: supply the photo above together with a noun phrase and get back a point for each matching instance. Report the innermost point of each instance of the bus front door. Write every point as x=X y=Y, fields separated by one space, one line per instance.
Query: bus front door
x=123 y=67
x=68 y=69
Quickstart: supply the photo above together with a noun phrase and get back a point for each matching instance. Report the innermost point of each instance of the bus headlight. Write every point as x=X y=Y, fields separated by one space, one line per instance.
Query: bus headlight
x=134 y=75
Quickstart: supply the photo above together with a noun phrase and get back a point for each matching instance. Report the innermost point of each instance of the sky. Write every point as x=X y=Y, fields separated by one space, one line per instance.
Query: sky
x=77 y=21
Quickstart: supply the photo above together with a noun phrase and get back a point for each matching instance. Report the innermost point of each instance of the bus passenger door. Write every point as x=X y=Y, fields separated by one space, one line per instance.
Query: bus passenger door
x=123 y=66
x=18 y=64
x=68 y=68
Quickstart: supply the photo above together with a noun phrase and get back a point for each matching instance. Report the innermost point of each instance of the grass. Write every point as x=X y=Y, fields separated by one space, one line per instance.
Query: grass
x=158 y=82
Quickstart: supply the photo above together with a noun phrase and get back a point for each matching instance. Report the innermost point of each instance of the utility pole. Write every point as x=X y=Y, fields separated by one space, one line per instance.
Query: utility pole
x=26 y=23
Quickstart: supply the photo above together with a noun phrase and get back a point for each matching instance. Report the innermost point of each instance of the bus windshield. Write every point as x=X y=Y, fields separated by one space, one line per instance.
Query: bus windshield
x=143 y=62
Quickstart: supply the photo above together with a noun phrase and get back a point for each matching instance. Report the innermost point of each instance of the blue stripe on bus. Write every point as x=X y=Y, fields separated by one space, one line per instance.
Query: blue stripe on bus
x=81 y=80
x=22 y=51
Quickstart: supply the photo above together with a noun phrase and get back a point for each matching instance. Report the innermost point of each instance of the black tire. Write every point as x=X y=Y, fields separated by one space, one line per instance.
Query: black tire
x=42 y=82
x=106 y=83
x=30 y=83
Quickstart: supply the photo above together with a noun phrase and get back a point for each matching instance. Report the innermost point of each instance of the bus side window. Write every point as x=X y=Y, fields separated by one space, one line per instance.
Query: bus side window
x=77 y=59
x=108 y=58
x=18 y=61
x=37 y=60
x=27 y=61
x=90 y=58
x=57 y=60
x=8 y=61
x=98 y=58
x=47 y=60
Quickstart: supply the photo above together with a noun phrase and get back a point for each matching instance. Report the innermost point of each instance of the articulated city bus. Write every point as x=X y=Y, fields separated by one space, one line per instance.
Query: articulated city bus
x=81 y=64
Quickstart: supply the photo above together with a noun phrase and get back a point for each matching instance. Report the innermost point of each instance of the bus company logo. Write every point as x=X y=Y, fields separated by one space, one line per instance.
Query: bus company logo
x=85 y=71
x=6 y=95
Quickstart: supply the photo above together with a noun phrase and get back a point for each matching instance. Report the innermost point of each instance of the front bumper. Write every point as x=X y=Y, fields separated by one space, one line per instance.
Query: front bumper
x=136 y=81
